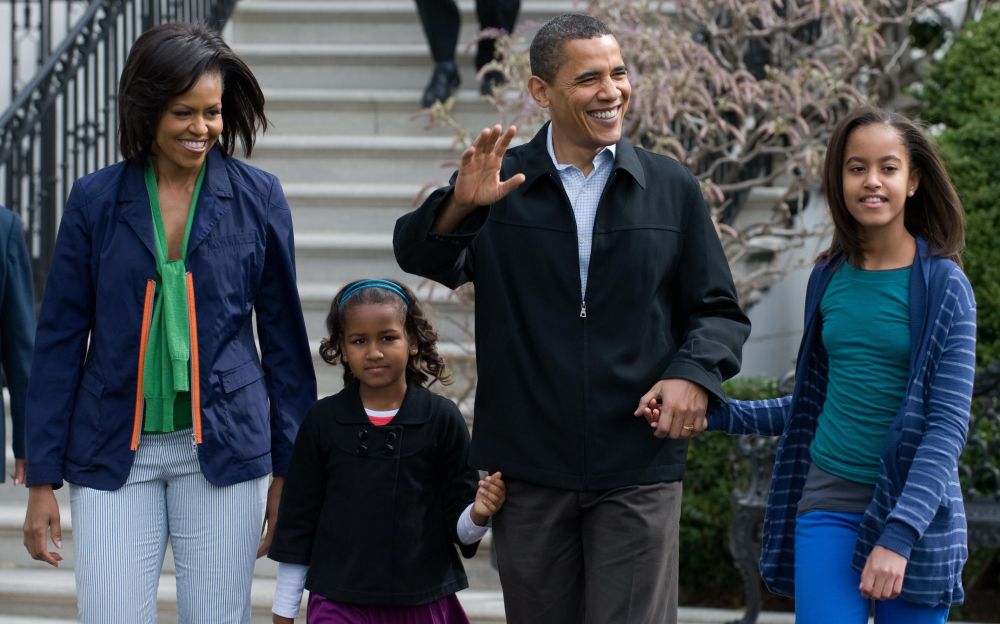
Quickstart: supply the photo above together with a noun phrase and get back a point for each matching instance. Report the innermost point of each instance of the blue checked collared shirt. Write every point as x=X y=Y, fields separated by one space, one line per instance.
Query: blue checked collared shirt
x=584 y=193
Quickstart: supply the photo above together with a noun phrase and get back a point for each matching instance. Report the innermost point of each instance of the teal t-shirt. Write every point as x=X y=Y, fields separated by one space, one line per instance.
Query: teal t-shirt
x=866 y=333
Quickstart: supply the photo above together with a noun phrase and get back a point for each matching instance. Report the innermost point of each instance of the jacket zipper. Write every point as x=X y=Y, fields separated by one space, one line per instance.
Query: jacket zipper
x=195 y=364
x=147 y=318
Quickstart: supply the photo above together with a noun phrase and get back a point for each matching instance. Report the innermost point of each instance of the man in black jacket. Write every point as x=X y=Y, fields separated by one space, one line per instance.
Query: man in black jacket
x=606 y=319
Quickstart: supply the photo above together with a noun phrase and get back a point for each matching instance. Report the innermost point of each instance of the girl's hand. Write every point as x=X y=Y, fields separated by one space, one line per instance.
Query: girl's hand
x=490 y=496
x=280 y=619
x=882 y=578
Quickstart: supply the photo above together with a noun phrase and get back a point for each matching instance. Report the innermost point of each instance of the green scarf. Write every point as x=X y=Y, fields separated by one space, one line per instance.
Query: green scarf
x=166 y=378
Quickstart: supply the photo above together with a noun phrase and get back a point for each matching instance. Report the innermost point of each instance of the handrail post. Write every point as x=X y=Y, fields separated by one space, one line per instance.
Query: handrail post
x=47 y=202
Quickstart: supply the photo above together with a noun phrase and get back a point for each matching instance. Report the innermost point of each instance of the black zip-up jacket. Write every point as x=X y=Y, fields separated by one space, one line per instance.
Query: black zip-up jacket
x=559 y=376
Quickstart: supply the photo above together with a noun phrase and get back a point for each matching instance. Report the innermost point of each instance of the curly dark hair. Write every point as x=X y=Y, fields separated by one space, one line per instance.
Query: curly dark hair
x=424 y=368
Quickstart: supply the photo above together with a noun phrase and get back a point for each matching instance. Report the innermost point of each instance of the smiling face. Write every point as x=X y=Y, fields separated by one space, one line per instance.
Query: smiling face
x=189 y=127
x=587 y=99
x=377 y=348
x=877 y=179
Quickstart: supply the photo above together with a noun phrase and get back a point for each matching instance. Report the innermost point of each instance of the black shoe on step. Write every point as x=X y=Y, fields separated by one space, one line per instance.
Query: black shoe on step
x=491 y=80
x=443 y=82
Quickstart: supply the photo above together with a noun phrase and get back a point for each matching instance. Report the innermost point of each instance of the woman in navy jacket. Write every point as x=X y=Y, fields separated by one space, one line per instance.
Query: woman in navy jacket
x=166 y=257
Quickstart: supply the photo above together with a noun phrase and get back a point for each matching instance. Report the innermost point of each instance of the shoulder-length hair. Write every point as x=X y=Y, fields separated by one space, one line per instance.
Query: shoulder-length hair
x=934 y=213
x=166 y=61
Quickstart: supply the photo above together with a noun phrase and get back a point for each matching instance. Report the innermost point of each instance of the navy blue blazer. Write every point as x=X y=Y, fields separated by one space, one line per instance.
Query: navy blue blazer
x=83 y=397
x=17 y=327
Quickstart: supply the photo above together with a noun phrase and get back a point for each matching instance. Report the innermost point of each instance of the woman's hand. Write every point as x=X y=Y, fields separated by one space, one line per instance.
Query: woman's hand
x=270 y=516
x=19 y=472
x=41 y=519
x=882 y=578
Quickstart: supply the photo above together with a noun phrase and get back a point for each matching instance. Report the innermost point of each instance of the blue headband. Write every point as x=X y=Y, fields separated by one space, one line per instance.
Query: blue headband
x=358 y=286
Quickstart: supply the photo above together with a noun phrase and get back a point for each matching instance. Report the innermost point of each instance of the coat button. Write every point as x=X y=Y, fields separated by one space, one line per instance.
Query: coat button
x=389 y=449
x=362 y=450
x=362 y=434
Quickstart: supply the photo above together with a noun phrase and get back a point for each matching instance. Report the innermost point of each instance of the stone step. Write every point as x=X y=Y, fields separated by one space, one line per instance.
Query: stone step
x=364 y=208
x=339 y=159
x=371 y=112
x=322 y=21
x=346 y=66
x=52 y=594
x=325 y=257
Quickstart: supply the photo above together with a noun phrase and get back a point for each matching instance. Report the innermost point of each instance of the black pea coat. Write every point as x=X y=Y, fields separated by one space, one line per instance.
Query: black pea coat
x=372 y=510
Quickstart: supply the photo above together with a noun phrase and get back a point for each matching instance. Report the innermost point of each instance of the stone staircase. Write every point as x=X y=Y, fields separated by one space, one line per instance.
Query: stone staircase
x=343 y=80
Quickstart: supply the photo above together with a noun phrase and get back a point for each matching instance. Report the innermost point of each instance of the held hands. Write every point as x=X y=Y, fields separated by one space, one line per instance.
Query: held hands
x=674 y=408
x=490 y=497
x=882 y=578
x=42 y=518
x=478 y=182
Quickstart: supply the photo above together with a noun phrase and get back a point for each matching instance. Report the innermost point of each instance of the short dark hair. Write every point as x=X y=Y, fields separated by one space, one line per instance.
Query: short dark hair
x=934 y=212
x=166 y=61
x=546 y=52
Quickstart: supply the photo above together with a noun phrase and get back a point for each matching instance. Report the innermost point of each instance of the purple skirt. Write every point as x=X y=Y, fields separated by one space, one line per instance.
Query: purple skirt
x=447 y=610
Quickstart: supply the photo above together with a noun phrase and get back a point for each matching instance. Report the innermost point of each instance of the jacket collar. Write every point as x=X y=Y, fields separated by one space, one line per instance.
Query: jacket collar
x=538 y=164
x=213 y=202
x=414 y=410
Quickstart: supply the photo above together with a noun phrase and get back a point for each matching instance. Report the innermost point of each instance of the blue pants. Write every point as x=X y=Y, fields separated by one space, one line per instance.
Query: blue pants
x=826 y=585
x=120 y=538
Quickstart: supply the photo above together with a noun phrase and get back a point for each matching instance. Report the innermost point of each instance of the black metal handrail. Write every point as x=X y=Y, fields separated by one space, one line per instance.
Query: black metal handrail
x=63 y=123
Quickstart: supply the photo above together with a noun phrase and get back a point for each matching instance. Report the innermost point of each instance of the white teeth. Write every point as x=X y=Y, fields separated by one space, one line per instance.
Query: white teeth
x=607 y=114
x=194 y=144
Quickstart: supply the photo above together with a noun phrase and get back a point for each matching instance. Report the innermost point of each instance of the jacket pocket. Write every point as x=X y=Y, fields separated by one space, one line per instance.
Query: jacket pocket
x=85 y=429
x=244 y=403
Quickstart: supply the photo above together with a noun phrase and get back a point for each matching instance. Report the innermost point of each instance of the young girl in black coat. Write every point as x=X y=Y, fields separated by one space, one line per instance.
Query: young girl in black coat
x=379 y=490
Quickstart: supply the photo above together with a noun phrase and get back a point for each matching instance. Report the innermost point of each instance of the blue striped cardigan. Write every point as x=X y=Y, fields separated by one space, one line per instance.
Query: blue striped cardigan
x=917 y=509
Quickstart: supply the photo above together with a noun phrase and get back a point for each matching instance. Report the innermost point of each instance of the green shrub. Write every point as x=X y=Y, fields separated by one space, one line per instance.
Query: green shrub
x=714 y=471
x=962 y=94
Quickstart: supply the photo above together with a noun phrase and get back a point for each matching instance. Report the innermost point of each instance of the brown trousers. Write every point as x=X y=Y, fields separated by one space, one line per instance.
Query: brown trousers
x=604 y=557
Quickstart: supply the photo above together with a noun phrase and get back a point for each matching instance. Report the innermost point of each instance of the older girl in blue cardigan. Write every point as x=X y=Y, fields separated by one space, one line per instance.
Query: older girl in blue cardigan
x=865 y=508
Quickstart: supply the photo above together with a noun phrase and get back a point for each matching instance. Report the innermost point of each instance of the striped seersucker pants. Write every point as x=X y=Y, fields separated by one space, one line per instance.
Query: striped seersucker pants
x=120 y=538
